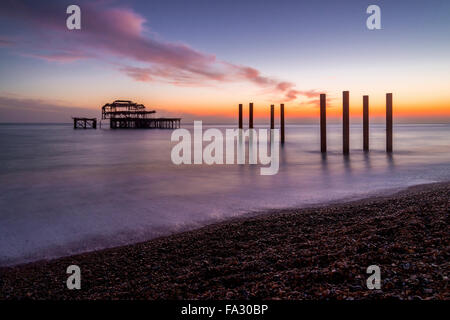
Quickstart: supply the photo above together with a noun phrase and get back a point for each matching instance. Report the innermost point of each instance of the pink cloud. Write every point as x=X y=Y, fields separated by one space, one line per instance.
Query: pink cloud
x=253 y=75
x=138 y=74
x=120 y=33
x=314 y=101
x=292 y=94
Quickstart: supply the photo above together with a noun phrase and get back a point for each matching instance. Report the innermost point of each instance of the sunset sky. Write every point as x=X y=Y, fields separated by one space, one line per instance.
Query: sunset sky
x=199 y=59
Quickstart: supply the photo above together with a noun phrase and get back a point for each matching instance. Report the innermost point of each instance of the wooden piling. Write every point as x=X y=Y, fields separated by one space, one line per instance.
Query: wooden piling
x=240 y=116
x=323 y=123
x=272 y=116
x=388 y=122
x=282 y=122
x=345 y=122
x=366 y=123
x=250 y=115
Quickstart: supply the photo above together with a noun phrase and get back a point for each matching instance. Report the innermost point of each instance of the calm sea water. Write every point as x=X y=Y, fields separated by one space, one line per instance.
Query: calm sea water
x=65 y=191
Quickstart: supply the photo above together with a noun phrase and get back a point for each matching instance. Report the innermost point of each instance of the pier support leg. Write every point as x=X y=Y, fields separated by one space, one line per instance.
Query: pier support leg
x=388 y=122
x=250 y=115
x=345 y=122
x=282 y=122
x=240 y=116
x=366 y=123
x=323 y=123
x=272 y=116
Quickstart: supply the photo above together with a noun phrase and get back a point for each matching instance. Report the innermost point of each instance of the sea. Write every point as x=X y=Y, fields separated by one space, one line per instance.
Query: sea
x=66 y=191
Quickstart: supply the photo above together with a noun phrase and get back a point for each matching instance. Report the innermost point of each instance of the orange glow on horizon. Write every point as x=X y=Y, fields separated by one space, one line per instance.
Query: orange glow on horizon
x=334 y=111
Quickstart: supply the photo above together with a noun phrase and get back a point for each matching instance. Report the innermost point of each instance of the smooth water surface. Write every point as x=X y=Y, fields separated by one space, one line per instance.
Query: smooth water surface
x=65 y=191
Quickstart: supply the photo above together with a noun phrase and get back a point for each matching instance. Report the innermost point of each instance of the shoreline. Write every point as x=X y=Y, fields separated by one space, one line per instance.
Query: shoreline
x=74 y=246
x=318 y=252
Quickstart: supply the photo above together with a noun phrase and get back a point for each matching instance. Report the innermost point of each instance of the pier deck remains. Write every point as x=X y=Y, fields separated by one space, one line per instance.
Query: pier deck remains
x=125 y=114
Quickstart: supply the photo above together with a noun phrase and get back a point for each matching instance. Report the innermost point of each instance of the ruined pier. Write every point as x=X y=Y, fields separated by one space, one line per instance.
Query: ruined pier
x=125 y=114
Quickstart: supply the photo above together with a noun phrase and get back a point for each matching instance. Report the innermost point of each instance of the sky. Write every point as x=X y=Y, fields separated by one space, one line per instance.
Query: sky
x=200 y=58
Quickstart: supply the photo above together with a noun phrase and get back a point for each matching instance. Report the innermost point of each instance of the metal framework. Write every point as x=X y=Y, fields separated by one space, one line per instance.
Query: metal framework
x=126 y=114
x=84 y=123
x=124 y=109
x=147 y=123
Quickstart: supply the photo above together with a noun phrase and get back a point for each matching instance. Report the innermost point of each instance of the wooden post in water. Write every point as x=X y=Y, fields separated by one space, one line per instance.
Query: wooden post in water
x=345 y=122
x=388 y=122
x=240 y=116
x=282 y=122
x=366 y=123
x=250 y=115
x=323 y=123
x=272 y=116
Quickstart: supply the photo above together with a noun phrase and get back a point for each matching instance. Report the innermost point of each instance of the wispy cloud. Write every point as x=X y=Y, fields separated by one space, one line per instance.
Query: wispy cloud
x=313 y=100
x=120 y=32
x=17 y=109
x=6 y=43
x=62 y=57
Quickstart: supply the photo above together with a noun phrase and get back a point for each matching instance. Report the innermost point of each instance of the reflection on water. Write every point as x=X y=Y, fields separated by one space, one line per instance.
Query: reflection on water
x=65 y=191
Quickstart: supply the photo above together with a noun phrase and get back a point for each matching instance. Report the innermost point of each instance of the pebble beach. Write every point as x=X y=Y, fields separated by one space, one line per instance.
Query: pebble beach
x=300 y=254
